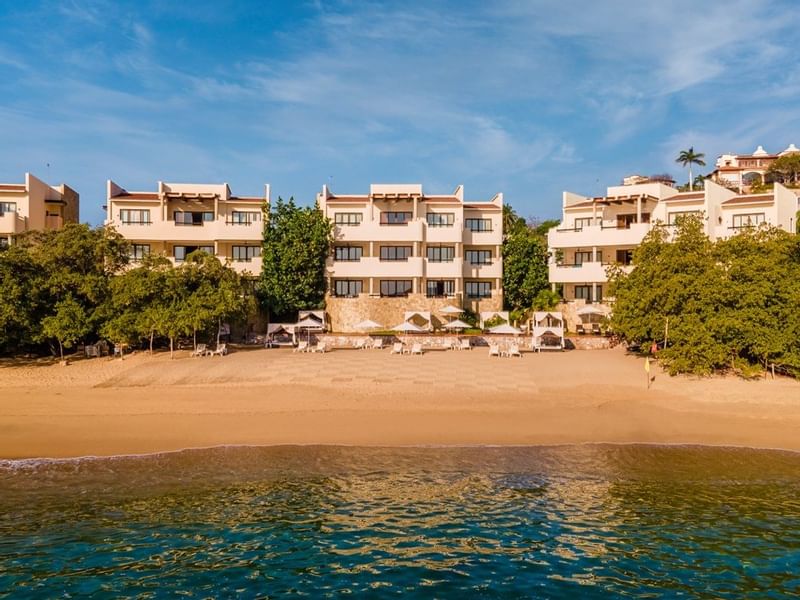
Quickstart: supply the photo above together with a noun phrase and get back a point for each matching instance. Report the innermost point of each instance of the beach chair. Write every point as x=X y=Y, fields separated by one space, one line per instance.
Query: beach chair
x=596 y=329
x=377 y=343
x=416 y=348
x=199 y=351
x=320 y=347
x=513 y=350
x=579 y=329
x=397 y=348
x=222 y=350
x=301 y=347
x=494 y=350
x=465 y=345
x=360 y=344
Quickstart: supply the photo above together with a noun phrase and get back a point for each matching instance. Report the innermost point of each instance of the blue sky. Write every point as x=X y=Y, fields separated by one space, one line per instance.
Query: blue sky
x=527 y=98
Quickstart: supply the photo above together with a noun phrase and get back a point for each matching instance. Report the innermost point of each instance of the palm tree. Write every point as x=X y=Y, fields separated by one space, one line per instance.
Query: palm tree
x=688 y=158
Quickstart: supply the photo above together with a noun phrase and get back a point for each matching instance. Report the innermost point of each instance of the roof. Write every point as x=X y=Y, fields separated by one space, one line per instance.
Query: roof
x=748 y=198
x=246 y=198
x=138 y=195
x=687 y=196
x=12 y=187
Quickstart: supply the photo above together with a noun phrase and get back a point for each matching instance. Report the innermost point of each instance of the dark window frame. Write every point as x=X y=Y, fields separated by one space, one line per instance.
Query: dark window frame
x=389 y=288
x=391 y=253
x=487 y=254
x=354 y=287
x=479 y=225
x=390 y=217
x=439 y=250
x=477 y=290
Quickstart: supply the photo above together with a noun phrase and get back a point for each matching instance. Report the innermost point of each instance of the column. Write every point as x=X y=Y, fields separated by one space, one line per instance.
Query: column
x=594 y=292
x=639 y=209
x=371 y=286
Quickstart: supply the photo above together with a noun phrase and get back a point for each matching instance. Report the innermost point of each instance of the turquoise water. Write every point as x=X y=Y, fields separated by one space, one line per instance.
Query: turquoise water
x=565 y=522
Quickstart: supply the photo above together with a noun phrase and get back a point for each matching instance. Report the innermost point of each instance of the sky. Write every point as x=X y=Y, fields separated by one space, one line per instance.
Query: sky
x=528 y=98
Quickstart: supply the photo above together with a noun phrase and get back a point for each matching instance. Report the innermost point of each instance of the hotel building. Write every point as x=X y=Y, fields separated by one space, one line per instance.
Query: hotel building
x=597 y=232
x=35 y=205
x=741 y=170
x=179 y=218
x=399 y=249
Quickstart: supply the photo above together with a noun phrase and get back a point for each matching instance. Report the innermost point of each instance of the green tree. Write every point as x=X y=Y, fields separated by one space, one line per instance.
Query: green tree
x=688 y=158
x=785 y=169
x=525 y=255
x=297 y=242
x=67 y=325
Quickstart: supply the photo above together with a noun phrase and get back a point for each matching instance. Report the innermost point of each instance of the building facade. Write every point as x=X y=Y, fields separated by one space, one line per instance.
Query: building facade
x=179 y=218
x=35 y=205
x=742 y=170
x=597 y=232
x=399 y=249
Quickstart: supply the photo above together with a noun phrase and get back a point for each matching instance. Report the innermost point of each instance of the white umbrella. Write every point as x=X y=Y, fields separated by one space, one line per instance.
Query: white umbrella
x=451 y=310
x=505 y=329
x=590 y=309
x=308 y=324
x=457 y=324
x=406 y=327
x=367 y=325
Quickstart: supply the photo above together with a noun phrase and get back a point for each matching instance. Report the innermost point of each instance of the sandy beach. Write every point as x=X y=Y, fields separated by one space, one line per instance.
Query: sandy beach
x=149 y=404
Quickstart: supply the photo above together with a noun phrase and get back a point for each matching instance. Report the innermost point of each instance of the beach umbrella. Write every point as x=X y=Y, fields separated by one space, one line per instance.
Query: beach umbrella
x=457 y=324
x=406 y=327
x=308 y=324
x=451 y=310
x=367 y=325
x=589 y=311
x=505 y=329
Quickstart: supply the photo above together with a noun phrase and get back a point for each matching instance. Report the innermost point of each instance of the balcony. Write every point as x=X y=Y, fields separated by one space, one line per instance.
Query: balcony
x=488 y=271
x=374 y=267
x=588 y=272
x=598 y=235
x=483 y=238
x=435 y=234
x=443 y=270
x=11 y=223
x=240 y=266
x=207 y=231
x=373 y=231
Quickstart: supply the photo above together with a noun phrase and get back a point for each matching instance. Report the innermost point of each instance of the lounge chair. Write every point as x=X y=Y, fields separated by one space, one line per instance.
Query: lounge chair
x=397 y=348
x=222 y=350
x=579 y=329
x=513 y=350
x=199 y=351
x=465 y=345
x=416 y=348
x=301 y=347
x=494 y=350
x=596 y=329
x=377 y=343
x=320 y=347
x=360 y=344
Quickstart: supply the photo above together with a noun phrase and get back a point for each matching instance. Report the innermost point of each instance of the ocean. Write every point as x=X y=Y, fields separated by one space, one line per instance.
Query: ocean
x=590 y=521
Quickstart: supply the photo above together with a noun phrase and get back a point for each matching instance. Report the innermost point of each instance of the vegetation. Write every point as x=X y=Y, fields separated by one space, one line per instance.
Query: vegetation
x=297 y=242
x=688 y=158
x=727 y=305
x=785 y=169
x=525 y=255
x=63 y=287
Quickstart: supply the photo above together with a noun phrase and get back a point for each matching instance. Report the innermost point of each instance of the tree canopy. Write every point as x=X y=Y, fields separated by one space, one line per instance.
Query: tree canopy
x=785 y=169
x=688 y=158
x=297 y=241
x=525 y=254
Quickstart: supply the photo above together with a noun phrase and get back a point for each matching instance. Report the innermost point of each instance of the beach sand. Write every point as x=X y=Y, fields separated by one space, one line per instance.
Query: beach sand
x=148 y=404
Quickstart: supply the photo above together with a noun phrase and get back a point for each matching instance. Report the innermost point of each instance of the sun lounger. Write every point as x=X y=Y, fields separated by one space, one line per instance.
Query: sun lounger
x=397 y=348
x=221 y=350
x=579 y=329
x=199 y=351
x=301 y=347
x=377 y=343
x=416 y=349
x=360 y=344
x=320 y=347
x=513 y=350
x=465 y=345
x=596 y=329
x=494 y=350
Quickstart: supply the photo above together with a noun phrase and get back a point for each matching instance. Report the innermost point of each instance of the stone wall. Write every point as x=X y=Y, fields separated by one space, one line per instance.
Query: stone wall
x=570 y=312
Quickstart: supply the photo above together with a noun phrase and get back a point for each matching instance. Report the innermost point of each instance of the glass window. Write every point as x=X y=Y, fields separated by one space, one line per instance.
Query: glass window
x=478 y=224
x=347 y=218
x=478 y=257
x=8 y=207
x=583 y=222
x=395 y=252
x=245 y=253
x=583 y=257
x=440 y=287
x=347 y=288
x=181 y=252
x=441 y=253
x=395 y=218
x=191 y=218
x=134 y=217
x=347 y=253
x=478 y=289
x=139 y=251
x=625 y=257
x=441 y=219
x=396 y=287
x=241 y=217
x=751 y=220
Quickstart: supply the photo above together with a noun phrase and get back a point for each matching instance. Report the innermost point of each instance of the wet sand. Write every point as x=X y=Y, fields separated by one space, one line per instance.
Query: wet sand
x=260 y=397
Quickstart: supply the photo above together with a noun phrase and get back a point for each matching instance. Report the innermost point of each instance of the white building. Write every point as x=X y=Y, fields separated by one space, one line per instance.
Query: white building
x=35 y=205
x=597 y=232
x=741 y=170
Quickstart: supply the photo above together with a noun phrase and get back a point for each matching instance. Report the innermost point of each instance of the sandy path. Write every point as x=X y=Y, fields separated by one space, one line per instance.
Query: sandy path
x=147 y=404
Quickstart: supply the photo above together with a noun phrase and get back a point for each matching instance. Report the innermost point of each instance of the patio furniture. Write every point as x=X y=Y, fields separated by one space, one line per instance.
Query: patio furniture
x=301 y=347
x=513 y=350
x=199 y=351
x=377 y=344
x=321 y=347
x=465 y=345
x=360 y=344
x=222 y=350
x=596 y=329
x=579 y=329
x=397 y=348
x=416 y=348
x=494 y=350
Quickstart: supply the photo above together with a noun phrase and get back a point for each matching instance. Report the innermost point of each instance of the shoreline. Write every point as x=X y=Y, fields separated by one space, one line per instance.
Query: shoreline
x=152 y=405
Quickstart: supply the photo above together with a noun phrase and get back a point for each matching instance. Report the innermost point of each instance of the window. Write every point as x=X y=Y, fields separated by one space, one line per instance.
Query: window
x=344 y=218
x=625 y=257
x=395 y=218
x=672 y=218
x=752 y=220
x=245 y=253
x=440 y=287
x=134 y=217
x=8 y=207
x=625 y=221
x=583 y=292
x=478 y=224
x=441 y=253
x=192 y=218
x=240 y=217
x=139 y=251
x=347 y=288
x=395 y=287
x=395 y=252
x=441 y=219
x=478 y=257
x=478 y=289
x=583 y=257
x=181 y=252
x=583 y=222
x=347 y=253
